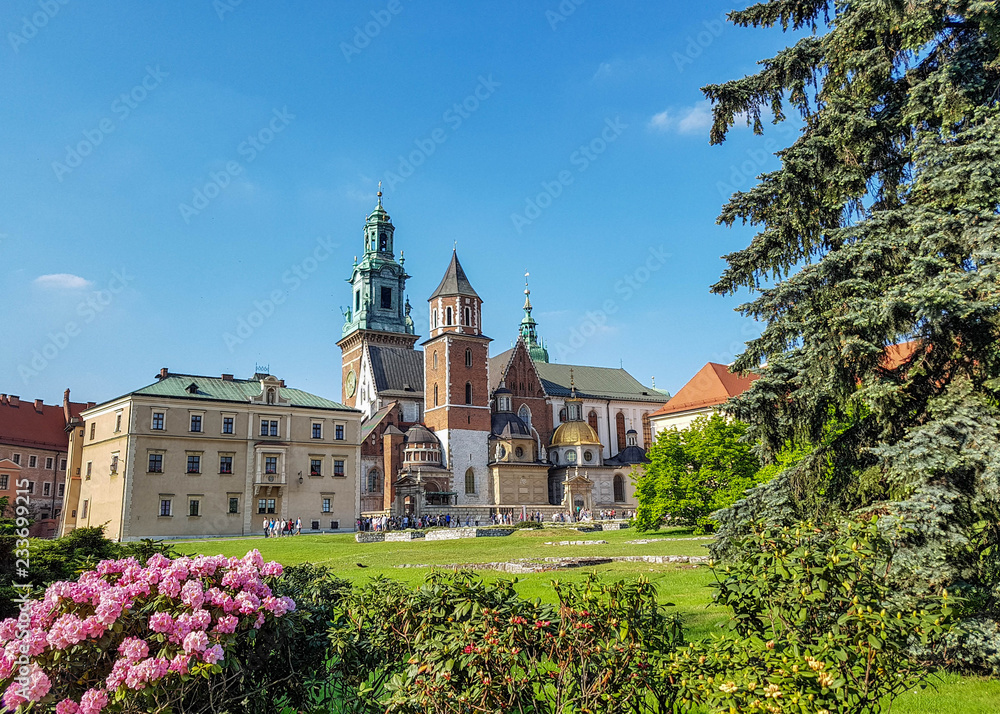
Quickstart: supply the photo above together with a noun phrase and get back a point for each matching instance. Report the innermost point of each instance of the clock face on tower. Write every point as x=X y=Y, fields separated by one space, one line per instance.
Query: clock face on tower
x=351 y=385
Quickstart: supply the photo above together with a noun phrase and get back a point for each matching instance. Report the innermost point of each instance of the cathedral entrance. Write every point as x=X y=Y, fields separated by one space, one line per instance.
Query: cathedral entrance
x=555 y=490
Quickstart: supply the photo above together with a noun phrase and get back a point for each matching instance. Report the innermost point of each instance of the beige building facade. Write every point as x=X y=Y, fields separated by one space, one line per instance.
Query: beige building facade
x=197 y=456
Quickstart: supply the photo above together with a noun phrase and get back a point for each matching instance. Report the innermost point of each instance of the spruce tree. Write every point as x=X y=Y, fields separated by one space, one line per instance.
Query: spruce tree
x=873 y=272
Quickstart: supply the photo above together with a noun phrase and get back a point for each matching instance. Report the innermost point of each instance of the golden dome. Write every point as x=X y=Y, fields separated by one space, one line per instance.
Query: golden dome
x=575 y=433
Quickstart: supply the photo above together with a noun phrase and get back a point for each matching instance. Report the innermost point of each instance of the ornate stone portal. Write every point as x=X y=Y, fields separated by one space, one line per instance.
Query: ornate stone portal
x=577 y=492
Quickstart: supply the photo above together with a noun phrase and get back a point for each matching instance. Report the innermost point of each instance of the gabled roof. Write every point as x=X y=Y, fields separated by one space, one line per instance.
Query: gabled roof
x=216 y=389
x=500 y=364
x=21 y=424
x=714 y=384
x=454 y=281
x=375 y=419
x=397 y=369
x=595 y=382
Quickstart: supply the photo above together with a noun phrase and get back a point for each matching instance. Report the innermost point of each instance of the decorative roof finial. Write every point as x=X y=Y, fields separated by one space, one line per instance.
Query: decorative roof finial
x=379 y=194
x=454 y=248
x=572 y=384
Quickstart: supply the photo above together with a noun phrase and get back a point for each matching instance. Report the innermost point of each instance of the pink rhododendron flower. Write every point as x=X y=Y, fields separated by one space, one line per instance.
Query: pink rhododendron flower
x=169 y=586
x=8 y=630
x=226 y=624
x=67 y=706
x=161 y=622
x=134 y=649
x=212 y=654
x=195 y=642
x=271 y=569
x=38 y=684
x=66 y=631
x=93 y=701
x=12 y=698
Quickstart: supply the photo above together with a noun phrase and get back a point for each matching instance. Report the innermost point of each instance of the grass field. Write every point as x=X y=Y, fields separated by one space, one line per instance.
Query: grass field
x=684 y=586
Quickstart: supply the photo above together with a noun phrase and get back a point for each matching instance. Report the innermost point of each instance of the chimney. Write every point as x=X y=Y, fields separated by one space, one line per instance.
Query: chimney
x=14 y=400
x=91 y=405
x=3 y=398
x=164 y=372
x=281 y=383
x=66 y=413
x=227 y=378
x=38 y=405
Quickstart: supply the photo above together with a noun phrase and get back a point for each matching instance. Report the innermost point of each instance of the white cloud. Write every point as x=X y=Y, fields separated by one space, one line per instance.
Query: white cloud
x=62 y=281
x=686 y=120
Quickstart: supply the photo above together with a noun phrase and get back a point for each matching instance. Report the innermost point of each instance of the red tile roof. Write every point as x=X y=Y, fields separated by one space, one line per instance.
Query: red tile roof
x=713 y=385
x=33 y=424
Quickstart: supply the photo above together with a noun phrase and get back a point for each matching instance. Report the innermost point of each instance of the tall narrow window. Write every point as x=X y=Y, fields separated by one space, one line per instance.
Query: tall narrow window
x=434 y=319
x=448 y=317
x=468 y=392
x=468 y=316
x=592 y=420
x=647 y=430
x=470 y=481
x=158 y=421
x=619 y=489
x=435 y=395
x=525 y=415
x=196 y=422
x=468 y=357
x=435 y=359
x=620 y=428
x=227 y=425
x=386 y=298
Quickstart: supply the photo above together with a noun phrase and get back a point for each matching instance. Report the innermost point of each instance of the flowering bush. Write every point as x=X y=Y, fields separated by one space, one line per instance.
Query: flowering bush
x=128 y=637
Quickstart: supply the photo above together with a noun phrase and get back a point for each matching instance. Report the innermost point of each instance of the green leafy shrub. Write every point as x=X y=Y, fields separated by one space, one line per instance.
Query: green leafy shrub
x=814 y=627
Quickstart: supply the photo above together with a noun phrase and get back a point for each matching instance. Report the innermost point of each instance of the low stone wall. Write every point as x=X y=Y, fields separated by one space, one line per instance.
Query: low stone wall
x=369 y=537
x=451 y=533
x=398 y=536
x=614 y=526
x=497 y=532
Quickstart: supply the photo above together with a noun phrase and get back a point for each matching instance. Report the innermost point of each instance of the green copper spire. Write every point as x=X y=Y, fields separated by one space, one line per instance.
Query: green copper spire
x=529 y=331
x=378 y=282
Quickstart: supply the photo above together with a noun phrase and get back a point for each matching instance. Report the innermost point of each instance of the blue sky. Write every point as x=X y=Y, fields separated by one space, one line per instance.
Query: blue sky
x=184 y=183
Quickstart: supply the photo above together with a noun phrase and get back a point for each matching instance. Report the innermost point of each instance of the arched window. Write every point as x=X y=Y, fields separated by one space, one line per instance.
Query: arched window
x=592 y=420
x=470 y=481
x=468 y=316
x=468 y=392
x=525 y=415
x=647 y=430
x=448 y=317
x=468 y=357
x=620 y=427
x=270 y=396
x=562 y=414
x=435 y=395
x=435 y=359
x=374 y=481
x=619 y=489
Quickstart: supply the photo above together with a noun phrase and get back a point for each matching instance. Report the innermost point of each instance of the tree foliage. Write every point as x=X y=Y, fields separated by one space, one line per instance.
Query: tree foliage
x=694 y=472
x=874 y=273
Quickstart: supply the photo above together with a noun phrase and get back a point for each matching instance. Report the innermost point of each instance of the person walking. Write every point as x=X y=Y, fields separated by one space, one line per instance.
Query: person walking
x=267 y=529
x=298 y=526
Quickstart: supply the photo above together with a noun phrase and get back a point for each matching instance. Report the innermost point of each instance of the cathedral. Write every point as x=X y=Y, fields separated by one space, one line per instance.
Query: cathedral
x=449 y=428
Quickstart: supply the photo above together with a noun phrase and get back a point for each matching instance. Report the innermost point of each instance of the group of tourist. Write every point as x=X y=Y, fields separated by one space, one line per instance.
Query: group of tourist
x=275 y=527
x=393 y=523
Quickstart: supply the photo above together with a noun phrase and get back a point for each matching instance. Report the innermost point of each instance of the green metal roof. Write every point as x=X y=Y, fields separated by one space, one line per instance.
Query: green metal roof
x=216 y=389
x=600 y=382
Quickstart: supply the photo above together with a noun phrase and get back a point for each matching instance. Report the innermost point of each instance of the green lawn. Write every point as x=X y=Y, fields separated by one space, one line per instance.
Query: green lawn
x=682 y=585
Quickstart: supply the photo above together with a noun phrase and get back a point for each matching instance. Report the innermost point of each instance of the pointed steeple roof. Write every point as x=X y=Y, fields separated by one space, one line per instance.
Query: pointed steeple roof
x=454 y=281
x=528 y=329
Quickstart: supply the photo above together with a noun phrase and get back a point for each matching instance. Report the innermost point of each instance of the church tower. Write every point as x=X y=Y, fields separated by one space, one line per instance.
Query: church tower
x=379 y=313
x=456 y=383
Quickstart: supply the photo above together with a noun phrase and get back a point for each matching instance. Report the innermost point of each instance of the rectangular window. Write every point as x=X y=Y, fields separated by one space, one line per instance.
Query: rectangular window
x=386 y=298
x=225 y=464
x=270 y=464
x=274 y=428
x=118 y=422
x=62 y=464
x=261 y=505
x=234 y=504
x=158 y=421
x=316 y=467
x=339 y=432
x=114 y=463
x=16 y=458
x=48 y=463
x=357 y=301
x=270 y=505
x=46 y=489
x=93 y=430
x=227 y=425
x=62 y=490
x=4 y=481
x=164 y=506
x=263 y=427
x=32 y=461
x=155 y=463
x=194 y=507
x=326 y=505
x=196 y=422
x=83 y=509
x=317 y=430
x=338 y=467
x=194 y=464
x=90 y=466
x=31 y=486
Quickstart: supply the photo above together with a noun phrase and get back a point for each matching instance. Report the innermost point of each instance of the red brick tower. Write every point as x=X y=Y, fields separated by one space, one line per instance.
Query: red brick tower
x=456 y=383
